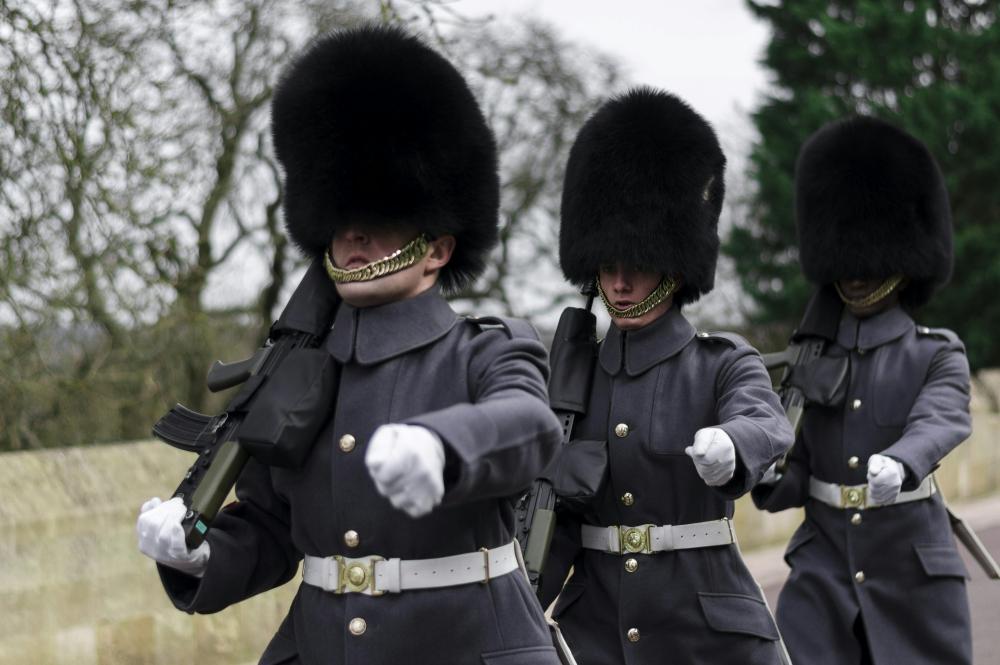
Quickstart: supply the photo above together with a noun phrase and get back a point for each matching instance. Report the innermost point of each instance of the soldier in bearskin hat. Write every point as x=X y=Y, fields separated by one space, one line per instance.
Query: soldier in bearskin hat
x=876 y=577
x=401 y=511
x=689 y=418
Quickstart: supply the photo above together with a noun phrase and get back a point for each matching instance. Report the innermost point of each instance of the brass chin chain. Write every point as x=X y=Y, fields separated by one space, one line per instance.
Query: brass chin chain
x=659 y=294
x=887 y=287
x=402 y=258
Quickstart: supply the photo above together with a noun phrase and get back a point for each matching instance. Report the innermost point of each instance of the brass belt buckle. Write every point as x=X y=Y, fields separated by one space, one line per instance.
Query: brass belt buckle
x=357 y=575
x=853 y=497
x=636 y=539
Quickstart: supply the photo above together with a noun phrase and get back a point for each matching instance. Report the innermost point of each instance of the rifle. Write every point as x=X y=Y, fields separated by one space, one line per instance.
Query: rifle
x=572 y=359
x=286 y=368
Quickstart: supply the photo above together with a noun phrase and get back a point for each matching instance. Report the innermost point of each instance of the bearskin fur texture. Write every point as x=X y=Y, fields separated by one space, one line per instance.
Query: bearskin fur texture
x=644 y=187
x=870 y=202
x=373 y=127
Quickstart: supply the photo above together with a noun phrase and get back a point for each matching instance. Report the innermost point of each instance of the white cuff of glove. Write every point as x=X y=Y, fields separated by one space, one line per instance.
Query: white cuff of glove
x=885 y=478
x=161 y=537
x=714 y=456
x=407 y=464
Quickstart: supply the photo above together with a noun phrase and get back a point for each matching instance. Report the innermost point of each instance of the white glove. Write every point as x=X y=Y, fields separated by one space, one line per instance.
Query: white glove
x=714 y=456
x=407 y=464
x=161 y=537
x=885 y=478
x=771 y=476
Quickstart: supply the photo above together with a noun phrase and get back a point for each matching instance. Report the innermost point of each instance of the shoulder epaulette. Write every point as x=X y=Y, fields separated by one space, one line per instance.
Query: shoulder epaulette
x=515 y=328
x=732 y=339
x=938 y=333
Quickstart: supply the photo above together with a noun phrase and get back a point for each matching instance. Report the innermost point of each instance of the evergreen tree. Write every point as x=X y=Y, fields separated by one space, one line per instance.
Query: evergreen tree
x=928 y=66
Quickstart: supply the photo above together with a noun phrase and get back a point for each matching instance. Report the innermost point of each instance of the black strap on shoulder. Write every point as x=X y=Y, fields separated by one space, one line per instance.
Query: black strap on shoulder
x=822 y=316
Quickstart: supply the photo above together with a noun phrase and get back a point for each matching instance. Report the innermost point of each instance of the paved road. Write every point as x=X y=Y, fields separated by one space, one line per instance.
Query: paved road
x=984 y=594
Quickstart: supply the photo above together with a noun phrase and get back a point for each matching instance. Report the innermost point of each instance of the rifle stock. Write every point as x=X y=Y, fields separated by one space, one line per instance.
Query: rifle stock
x=573 y=357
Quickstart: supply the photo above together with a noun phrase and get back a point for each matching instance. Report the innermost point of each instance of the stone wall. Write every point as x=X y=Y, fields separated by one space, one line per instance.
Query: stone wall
x=75 y=590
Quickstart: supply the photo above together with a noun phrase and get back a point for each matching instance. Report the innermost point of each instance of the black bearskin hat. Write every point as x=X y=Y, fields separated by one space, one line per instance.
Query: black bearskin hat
x=374 y=127
x=870 y=202
x=644 y=187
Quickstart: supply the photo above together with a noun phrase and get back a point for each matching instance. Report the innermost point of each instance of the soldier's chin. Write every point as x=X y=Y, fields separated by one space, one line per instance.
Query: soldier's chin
x=381 y=291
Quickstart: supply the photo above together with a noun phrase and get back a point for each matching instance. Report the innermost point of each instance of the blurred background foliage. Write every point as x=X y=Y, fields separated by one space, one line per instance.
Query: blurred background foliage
x=928 y=66
x=140 y=227
x=138 y=188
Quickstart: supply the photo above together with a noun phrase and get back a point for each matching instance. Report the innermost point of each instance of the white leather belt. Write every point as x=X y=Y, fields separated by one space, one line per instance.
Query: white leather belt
x=855 y=497
x=375 y=575
x=650 y=538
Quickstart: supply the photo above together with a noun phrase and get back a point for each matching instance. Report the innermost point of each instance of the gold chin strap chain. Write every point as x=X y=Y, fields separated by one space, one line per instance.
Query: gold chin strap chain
x=402 y=258
x=666 y=289
x=887 y=287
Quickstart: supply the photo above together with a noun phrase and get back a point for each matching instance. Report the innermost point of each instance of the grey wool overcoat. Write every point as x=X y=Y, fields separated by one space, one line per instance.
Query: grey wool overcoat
x=892 y=573
x=663 y=383
x=482 y=390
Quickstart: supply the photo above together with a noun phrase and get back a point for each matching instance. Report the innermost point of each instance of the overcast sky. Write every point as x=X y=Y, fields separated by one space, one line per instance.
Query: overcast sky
x=706 y=52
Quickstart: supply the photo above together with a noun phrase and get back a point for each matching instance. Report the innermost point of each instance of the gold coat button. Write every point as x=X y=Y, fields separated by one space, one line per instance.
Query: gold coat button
x=357 y=626
x=351 y=538
x=856 y=404
x=628 y=499
x=631 y=565
x=621 y=430
x=856 y=519
x=859 y=576
x=347 y=443
x=633 y=634
x=853 y=461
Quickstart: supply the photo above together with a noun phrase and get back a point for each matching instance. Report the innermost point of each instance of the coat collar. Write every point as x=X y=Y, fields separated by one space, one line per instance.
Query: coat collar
x=641 y=349
x=874 y=331
x=371 y=335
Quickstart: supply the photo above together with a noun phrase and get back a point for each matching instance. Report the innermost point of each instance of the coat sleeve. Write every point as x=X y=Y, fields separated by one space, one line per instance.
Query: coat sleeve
x=497 y=443
x=939 y=419
x=791 y=490
x=750 y=412
x=251 y=549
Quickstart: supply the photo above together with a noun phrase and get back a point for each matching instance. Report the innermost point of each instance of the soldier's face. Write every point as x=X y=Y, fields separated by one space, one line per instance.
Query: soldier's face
x=856 y=289
x=625 y=287
x=356 y=246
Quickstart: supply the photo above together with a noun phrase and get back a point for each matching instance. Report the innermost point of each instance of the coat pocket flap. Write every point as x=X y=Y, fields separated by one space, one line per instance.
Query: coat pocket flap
x=522 y=656
x=737 y=613
x=940 y=560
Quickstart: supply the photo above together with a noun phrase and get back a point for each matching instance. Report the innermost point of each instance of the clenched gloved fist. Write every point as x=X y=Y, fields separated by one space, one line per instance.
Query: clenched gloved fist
x=161 y=537
x=885 y=478
x=407 y=464
x=714 y=456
